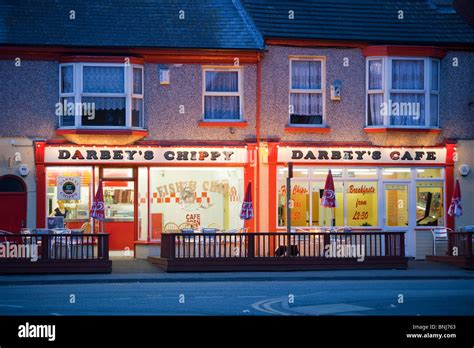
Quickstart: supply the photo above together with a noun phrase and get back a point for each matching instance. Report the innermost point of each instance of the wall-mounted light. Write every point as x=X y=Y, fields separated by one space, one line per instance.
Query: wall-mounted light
x=464 y=169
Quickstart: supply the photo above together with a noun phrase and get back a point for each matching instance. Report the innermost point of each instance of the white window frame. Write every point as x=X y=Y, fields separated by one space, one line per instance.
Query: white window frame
x=321 y=91
x=128 y=94
x=239 y=93
x=387 y=89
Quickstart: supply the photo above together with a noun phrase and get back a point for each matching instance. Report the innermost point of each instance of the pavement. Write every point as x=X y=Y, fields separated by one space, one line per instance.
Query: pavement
x=129 y=270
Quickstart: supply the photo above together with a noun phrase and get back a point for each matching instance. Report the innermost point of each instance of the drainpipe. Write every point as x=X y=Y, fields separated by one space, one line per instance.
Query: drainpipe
x=257 y=131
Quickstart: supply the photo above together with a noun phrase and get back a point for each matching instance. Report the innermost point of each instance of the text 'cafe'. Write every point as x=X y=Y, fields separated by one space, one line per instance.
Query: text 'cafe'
x=147 y=190
x=377 y=188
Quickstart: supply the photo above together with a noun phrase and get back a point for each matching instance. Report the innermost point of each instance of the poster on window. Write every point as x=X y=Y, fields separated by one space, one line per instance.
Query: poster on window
x=69 y=188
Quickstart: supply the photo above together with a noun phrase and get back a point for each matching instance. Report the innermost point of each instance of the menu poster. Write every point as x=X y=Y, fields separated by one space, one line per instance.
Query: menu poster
x=55 y=222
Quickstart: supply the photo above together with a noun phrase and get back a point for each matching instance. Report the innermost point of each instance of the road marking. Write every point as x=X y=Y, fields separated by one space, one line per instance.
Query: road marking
x=13 y=306
x=209 y=297
x=251 y=296
x=266 y=306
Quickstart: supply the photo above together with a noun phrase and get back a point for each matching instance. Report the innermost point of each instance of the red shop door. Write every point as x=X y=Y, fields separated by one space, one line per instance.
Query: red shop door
x=13 y=203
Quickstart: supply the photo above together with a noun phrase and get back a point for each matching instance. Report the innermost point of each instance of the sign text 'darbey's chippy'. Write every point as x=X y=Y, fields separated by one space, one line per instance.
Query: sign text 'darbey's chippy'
x=145 y=154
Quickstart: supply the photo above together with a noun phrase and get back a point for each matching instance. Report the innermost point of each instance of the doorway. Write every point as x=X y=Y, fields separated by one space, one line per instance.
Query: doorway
x=13 y=198
x=120 y=191
x=397 y=215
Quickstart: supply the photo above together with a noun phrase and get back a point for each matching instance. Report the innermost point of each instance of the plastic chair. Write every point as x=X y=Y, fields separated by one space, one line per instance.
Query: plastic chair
x=440 y=234
x=171 y=227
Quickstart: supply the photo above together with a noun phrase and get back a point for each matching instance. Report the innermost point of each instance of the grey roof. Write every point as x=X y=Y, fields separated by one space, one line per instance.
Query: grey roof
x=374 y=21
x=213 y=24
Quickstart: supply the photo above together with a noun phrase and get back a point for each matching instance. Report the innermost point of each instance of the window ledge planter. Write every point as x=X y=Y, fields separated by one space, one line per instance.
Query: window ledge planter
x=297 y=129
x=241 y=124
x=401 y=129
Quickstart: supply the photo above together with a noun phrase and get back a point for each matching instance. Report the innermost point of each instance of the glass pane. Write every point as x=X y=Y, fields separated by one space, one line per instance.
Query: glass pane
x=429 y=204
x=396 y=173
x=406 y=109
x=362 y=203
x=75 y=211
x=434 y=75
x=67 y=79
x=374 y=115
x=222 y=81
x=66 y=112
x=103 y=79
x=297 y=172
x=434 y=110
x=362 y=173
x=143 y=204
x=107 y=111
x=137 y=81
x=111 y=173
x=396 y=205
x=322 y=173
x=137 y=112
x=305 y=74
x=322 y=216
x=408 y=74
x=118 y=199
x=200 y=197
x=299 y=204
x=221 y=108
x=303 y=105
x=375 y=74
x=435 y=173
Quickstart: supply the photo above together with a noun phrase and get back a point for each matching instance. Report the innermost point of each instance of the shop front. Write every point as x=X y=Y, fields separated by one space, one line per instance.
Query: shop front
x=401 y=189
x=148 y=190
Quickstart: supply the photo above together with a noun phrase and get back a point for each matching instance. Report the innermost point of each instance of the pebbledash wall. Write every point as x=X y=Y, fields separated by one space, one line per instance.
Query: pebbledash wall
x=30 y=92
x=346 y=128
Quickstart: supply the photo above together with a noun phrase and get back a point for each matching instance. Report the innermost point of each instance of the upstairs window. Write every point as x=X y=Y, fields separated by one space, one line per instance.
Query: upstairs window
x=306 y=91
x=222 y=94
x=402 y=92
x=94 y=95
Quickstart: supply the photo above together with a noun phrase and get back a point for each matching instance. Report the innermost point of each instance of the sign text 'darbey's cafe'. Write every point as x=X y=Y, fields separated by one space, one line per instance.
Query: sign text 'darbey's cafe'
x=145 y=154
x=395 y=155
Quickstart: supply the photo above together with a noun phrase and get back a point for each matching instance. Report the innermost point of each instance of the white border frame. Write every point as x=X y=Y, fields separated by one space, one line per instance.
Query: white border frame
x=239 y=94
x=128 y=94
x=321 y=91
x=387 y=89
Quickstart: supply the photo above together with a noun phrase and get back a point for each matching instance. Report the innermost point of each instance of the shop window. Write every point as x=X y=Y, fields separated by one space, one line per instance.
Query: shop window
x=143 y=205
x=362 y=173
x=429 y=203
x=428 y=173
x=100 y=95
x=297 y=172
x=362 y=203
x=195 y=197
x=75 y=208
x=306 y=91
x=396 y=205
x=322 y=216
x=222 y=94
x=299 y=204
x=408 y=97
x=322 y=173
x=396 y=173
x=114 y=173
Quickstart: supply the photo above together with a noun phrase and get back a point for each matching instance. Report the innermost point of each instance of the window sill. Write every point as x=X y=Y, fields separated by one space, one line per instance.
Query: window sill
x=241 y=124
x=311 y=129
x=401 y=129
x=134 y=132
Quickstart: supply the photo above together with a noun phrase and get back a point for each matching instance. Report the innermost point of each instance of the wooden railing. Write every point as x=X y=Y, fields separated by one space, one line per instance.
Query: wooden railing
x=460 y=243
x=52 y=247
x=277 y=245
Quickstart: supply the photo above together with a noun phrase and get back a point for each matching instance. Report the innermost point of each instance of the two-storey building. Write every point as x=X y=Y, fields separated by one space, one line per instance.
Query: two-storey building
x=381 y=93
x=176 y=107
